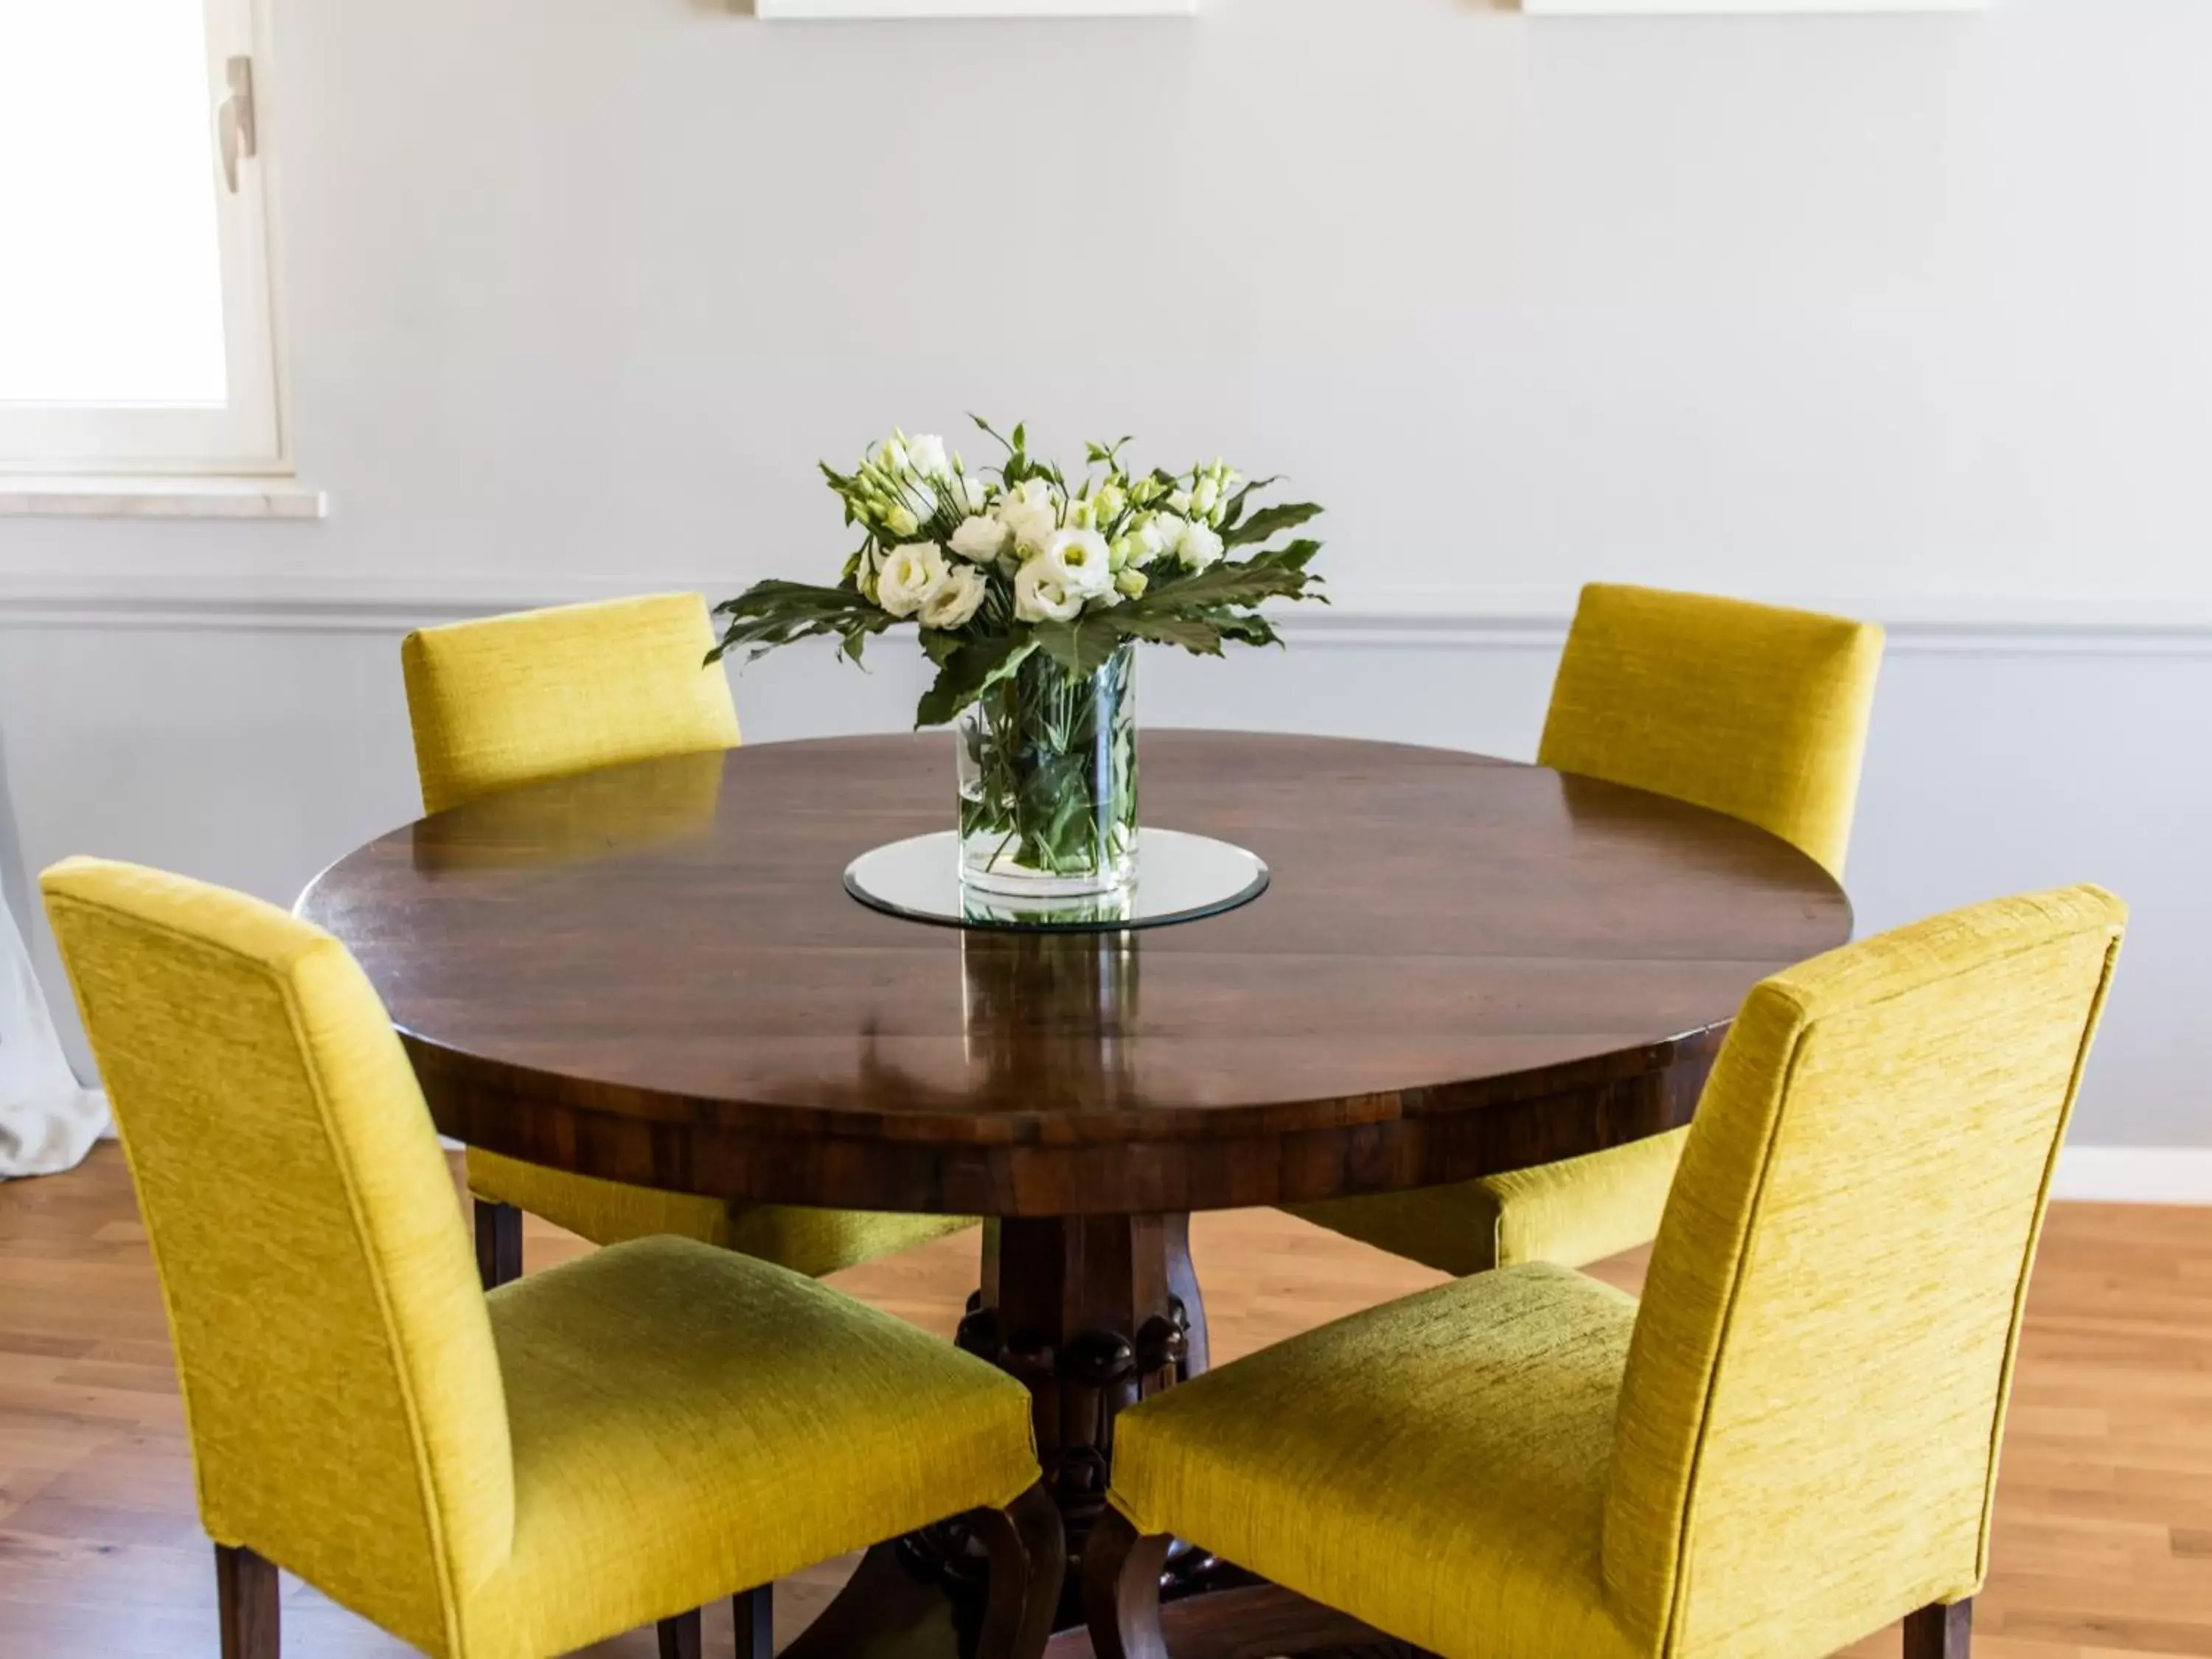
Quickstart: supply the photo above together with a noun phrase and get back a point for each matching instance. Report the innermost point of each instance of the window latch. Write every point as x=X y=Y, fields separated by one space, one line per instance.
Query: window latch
x=235 y=121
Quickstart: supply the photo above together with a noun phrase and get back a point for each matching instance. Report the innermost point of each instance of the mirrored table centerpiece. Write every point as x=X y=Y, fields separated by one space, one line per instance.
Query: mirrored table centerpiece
x=1175 y=876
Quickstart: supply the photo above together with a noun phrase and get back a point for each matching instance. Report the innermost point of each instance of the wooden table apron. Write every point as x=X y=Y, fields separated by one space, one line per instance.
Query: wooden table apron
x=1464 y=966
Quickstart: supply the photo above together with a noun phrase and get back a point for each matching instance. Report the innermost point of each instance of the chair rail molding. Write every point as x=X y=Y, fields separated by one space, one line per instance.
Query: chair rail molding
x=1494 y=618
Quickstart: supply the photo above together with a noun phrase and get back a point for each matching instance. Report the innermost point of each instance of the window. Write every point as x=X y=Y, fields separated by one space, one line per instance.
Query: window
x=135 y=329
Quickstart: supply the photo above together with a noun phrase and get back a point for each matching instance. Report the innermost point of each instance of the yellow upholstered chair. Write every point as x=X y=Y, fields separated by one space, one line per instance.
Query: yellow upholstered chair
x=1792 y=1442
x=614 y=1441
x=510 y=700
x=1747 y=709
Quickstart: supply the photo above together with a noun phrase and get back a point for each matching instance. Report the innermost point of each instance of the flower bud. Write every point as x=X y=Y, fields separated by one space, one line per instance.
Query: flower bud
x=1133 y=583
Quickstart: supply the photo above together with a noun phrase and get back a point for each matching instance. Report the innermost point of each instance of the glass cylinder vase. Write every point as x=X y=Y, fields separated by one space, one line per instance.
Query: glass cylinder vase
x=1049 y=780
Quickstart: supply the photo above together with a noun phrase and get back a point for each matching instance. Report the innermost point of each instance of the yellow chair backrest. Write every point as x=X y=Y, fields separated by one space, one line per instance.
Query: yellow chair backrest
x=510 y=700
x=1747 y=709
x=1808 y=1436
x=340 y=1384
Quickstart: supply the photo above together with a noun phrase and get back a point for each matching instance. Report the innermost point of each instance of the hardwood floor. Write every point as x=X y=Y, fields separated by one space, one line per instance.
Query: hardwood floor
x=2104 y=1542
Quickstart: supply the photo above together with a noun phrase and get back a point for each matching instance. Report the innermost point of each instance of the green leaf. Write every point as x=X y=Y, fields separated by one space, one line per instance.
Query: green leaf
x=1080 y=647
x=1245 y=627
x=1225 y=584
x=969 y=672
x=1234 y=514
x=772 y=613
x=1291 y=555
x=1200 y=634
x=1271 y=521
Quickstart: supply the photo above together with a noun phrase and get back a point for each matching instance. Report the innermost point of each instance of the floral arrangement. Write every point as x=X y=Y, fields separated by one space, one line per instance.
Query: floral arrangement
x=998 y=565
x=1030 y=590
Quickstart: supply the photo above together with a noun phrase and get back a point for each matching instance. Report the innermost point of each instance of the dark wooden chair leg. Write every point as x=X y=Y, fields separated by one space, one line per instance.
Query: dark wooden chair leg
x=245 y=1599
x=680 y=1637
x=1121 y=1590
x=499 y=1244
x=1028 y=1562
x=756 y=1621
x=1940 y=1632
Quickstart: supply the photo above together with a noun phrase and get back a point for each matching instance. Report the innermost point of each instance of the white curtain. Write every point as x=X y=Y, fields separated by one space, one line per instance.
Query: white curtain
x=48 y=1121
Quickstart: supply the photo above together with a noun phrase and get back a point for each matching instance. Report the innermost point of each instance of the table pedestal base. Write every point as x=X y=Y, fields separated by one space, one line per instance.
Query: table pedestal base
x=1085 y=1312
x=1092 y=1314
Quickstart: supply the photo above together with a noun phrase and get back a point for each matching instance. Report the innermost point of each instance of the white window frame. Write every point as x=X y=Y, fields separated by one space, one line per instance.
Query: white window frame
x=247 y=435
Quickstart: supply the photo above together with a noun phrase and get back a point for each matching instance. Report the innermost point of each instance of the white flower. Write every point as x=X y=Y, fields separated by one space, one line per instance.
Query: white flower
x=957 y=599
x=1144 y=542
x=926 y=453
x=911 y=577
x=976 y=493
x=1180 y=501
x=1204 y=499
x=981 y=539
x=1031 y=513
x=1039 y=596
x=1080 y=561
x=1198 y=545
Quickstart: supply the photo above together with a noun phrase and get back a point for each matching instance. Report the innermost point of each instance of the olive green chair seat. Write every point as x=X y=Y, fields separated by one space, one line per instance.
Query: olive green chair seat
x=1578 y=1211
x=612 y=1443
x=1747 y=709
x=816 y=1242
x=692 y=1420
x=1788 y=1444
x=512 y=700
x=1392 y=1461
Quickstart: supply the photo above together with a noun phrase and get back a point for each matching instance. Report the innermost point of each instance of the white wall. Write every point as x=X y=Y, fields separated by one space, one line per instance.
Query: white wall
x=1905 y=316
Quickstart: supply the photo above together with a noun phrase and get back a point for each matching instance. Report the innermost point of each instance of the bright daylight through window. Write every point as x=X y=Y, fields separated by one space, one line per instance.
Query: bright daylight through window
x=135 y=321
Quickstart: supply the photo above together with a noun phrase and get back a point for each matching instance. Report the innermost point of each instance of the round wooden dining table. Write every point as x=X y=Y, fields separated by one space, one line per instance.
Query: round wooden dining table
x=652 y=973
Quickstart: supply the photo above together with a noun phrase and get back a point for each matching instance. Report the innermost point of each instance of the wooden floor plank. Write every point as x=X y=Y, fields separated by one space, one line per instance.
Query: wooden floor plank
x=2104 y=1530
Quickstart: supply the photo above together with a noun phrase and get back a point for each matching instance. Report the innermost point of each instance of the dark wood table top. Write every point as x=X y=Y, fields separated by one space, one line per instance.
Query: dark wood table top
x=653 y=973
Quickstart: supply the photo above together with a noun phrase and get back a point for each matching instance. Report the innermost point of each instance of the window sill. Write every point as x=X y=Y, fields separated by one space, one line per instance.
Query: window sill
x=135 y=497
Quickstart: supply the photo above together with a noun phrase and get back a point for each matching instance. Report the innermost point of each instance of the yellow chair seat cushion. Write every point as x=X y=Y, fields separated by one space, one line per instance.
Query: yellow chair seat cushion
x=1436 y=1466
x=810 y=1241
x=1573 y=1213
x=687 y=1422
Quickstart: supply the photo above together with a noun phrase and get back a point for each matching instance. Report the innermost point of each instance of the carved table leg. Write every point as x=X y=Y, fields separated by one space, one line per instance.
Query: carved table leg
x=1182 y=1286
x=1081 y=1310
